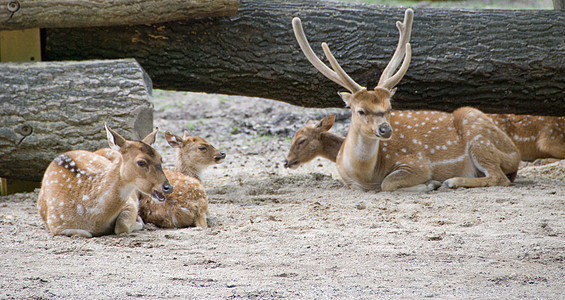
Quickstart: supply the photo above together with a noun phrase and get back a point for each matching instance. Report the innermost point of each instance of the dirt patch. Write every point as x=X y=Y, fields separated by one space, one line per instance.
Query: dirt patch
x=279 y=233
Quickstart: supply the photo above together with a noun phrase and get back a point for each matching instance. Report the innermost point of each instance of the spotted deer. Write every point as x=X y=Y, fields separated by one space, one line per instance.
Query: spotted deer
x=85 y=194
x=539 y=138
x=187 y=205
x=461 y=149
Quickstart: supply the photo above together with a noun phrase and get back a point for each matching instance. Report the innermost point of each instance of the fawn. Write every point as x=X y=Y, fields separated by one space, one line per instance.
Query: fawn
x=313 y=140
x=461 y=149
x=84 y=194
x=188 y=204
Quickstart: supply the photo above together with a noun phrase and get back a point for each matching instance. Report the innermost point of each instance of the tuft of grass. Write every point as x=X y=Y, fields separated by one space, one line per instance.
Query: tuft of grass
x=190 y=126
x=222 y=99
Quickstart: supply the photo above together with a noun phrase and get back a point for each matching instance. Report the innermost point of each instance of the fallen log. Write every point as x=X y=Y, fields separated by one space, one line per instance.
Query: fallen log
x=22 y=14
x=501 y=61
x=47 y=108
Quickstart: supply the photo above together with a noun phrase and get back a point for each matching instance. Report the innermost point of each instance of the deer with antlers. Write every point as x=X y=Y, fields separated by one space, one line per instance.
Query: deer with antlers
x=462 y=149
x=85 y=194
x=187 y=205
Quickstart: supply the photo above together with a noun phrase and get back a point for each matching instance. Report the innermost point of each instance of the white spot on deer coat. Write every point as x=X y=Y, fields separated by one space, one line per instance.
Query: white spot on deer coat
x=80 y=209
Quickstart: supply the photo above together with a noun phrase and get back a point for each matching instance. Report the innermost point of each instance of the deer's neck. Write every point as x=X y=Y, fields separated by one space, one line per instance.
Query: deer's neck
x=331 y=143
x=358 y=161
x=116 y=179
x=112 y=188
x=187 y=168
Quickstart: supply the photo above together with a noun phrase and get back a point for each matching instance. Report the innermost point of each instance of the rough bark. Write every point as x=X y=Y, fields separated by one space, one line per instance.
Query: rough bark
x=21 y=14
x=48 y=108
x=496 y=60
x=559 y=4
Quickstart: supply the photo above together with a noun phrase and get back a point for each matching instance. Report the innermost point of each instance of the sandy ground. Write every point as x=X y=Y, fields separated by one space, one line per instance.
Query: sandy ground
x=278 y=233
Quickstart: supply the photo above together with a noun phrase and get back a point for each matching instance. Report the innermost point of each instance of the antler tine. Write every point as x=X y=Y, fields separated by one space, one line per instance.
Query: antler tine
x=315 y=61
x=352 y=86
x=391 y=82
x=387 y=79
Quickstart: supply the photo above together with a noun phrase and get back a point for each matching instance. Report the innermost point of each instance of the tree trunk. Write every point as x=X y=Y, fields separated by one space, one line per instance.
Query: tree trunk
x=22 y=14
x=500 y=61
x=558 y=4
x=50 y=108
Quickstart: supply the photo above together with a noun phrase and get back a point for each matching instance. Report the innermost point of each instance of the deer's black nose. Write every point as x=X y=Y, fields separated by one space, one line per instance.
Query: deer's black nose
x=167 y=188
x=385 y=131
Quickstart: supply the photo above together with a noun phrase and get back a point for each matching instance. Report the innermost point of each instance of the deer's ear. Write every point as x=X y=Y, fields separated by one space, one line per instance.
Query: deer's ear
x=115 y=141
x=150 y=138
x=392 y=92
x=326 y=123
x=173 y=140
x=346 y=97
x=186 y=135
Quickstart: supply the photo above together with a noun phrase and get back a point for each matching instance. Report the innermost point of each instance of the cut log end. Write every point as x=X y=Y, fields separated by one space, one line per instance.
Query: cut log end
x=48 y=108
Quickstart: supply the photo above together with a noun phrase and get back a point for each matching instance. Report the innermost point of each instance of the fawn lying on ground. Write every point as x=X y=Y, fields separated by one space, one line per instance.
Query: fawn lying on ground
x=313 y=140
x=85 y=194
x=188 y=204
x=462 y=149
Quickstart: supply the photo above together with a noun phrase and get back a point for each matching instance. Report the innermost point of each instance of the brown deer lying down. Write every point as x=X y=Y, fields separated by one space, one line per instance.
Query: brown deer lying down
x=462 y=149
x=313 y=140
x=85 y=194
x=188 y=204
x=537 y=138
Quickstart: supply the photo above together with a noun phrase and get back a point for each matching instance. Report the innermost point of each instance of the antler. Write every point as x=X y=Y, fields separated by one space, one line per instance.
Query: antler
x=388 y=80
x=338 y=76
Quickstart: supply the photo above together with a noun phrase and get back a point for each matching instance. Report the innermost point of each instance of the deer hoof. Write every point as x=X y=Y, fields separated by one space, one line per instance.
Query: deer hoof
x=450 y=183
x=433 y=185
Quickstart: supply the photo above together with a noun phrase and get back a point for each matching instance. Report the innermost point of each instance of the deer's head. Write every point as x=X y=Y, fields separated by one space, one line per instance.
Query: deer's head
x=141 y=164
x=370 y=108
x=307 y=142
x=194 y=151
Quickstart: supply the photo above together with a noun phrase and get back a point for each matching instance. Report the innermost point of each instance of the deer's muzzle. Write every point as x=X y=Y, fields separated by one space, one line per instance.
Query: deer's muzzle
x=291 y=164
x=167 y=187
x=384 y=131
x=218 y=158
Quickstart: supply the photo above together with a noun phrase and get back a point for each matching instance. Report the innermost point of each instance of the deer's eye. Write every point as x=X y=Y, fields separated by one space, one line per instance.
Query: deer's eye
x=301 y=142
x=361 y=112
x=202 y=148
x=141 y=163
